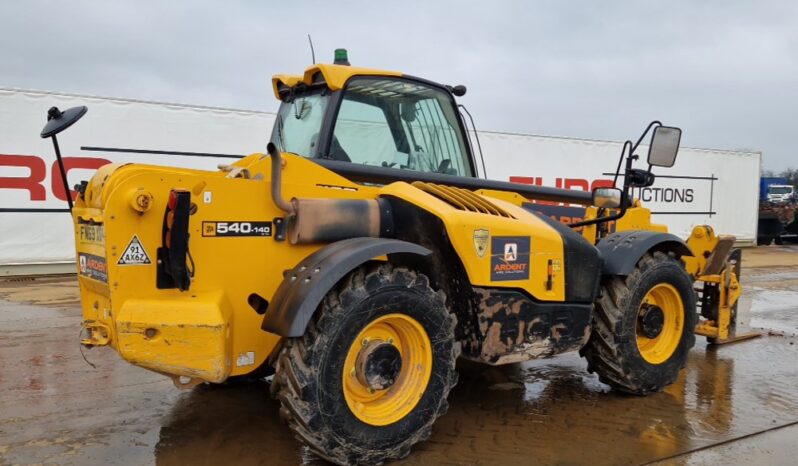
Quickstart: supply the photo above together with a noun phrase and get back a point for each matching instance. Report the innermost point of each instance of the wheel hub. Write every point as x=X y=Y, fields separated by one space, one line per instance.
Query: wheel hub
x=651 y=319
x=378 y=365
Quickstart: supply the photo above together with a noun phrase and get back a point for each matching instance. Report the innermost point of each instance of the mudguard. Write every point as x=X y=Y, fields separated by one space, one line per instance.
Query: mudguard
x=304 y=286
x=622 y=250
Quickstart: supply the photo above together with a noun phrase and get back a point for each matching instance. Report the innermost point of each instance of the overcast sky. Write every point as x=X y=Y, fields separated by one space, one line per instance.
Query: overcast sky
x=724 y=71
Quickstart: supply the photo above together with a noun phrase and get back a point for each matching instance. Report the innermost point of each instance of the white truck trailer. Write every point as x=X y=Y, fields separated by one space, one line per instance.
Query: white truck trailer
x=714 y=187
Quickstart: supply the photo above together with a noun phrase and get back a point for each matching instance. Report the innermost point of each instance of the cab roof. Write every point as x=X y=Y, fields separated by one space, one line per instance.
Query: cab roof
x=334 y=76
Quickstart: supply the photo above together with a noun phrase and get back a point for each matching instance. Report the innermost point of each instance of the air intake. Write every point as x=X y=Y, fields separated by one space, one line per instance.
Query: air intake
x=462 y=199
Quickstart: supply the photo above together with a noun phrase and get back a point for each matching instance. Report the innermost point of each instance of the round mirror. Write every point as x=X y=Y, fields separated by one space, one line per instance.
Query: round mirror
x=58 y=121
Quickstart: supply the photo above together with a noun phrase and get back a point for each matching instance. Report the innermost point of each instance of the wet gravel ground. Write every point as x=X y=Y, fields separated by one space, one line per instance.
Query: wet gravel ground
x=733 y=404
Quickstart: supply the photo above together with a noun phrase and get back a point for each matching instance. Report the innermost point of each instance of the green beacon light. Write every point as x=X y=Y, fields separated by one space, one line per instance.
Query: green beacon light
x=341 y=57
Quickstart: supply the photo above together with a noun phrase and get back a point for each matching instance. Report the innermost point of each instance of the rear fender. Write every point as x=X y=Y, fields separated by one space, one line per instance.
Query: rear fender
x=304 y=286
x=621 y=251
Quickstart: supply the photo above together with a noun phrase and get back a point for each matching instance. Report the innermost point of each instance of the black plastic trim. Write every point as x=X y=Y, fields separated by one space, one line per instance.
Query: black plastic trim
x=621 y=251
x=303 y=287
x=374 y=174
x=582 y=263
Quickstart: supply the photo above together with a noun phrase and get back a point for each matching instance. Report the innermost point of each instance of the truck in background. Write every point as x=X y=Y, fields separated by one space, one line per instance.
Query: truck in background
x=776 y=190
x=778 y=206
x=780 y=194
x=766 y=182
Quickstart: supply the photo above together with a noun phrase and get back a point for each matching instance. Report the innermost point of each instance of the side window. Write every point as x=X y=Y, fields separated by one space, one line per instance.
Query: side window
x=434 y=136
x=362 y=134
x=297 y=128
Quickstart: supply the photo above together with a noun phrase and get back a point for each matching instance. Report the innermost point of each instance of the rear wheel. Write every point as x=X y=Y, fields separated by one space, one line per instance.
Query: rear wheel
x=373 y=370
x=643 y=326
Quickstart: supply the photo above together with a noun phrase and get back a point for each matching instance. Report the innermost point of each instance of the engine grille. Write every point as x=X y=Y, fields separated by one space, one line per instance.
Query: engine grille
x=462 y=199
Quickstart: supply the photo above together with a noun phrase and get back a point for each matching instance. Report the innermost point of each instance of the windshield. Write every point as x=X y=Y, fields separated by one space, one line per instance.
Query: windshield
x=384 y=122
x=298 y=122
x=780 y=189
x=399 y=124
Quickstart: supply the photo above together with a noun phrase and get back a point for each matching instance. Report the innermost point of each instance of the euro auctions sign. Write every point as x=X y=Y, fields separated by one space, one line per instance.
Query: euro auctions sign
x=704 y=187
x=718 y=188
x=35 y=226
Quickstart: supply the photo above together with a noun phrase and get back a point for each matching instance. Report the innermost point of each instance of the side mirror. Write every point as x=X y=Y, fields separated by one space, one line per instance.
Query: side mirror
x=664 y=146
x=58 y=121
x=607 y=198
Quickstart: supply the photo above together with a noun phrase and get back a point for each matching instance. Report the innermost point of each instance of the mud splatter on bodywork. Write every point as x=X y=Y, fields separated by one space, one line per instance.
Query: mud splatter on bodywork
x=514 y=328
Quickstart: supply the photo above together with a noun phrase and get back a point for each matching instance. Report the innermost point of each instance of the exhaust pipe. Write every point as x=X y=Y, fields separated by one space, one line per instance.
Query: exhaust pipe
x=329 y=220
x=277 y=181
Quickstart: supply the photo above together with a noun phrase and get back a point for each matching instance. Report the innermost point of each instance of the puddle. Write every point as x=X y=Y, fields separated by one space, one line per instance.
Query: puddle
x=55 y=408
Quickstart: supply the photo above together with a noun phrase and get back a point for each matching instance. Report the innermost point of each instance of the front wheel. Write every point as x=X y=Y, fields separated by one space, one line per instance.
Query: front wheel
x=643 y=326
x=373 y=370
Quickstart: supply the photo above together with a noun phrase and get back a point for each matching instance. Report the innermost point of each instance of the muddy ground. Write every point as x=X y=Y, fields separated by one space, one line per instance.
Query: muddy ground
x=736 y=404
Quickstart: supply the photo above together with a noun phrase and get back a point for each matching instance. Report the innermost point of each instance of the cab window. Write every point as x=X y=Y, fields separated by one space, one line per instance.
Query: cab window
x=298 y=122
x=399 y=124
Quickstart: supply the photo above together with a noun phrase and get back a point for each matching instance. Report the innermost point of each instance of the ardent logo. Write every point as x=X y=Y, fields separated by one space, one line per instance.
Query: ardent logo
x=509 y=258
x=511 y=252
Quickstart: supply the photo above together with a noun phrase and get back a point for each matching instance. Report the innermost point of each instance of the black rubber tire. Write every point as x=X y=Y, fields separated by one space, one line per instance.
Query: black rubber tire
x=308 y=376
x=612 y=350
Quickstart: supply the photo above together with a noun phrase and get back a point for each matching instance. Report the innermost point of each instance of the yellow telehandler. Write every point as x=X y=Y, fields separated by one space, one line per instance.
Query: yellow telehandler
x=361 y=256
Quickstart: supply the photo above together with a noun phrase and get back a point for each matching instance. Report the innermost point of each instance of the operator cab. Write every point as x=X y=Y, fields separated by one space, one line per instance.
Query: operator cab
x=373 y=118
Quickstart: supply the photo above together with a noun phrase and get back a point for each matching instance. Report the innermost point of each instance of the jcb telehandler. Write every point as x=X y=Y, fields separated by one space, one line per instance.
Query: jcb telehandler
x=360 y=257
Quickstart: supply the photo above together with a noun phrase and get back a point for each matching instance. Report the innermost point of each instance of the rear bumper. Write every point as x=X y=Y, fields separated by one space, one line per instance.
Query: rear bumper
x=186 y=335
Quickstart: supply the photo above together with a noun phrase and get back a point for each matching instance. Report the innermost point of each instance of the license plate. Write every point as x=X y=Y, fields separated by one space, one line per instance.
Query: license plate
x=91 y=234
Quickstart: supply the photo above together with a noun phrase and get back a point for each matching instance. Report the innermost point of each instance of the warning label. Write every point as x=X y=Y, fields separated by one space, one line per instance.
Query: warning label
x=134 y=254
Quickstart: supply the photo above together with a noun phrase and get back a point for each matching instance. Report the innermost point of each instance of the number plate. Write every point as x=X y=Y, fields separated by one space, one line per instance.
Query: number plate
x=92 y=234
x=216 y=229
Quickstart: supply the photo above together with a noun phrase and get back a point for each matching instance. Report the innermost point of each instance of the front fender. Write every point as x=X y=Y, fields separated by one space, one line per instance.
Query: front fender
x=304 y=286
x=621 y=251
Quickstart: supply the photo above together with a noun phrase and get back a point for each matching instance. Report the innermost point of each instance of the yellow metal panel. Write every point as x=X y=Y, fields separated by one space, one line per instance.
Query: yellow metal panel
x=335 y=76
x=289 y=80
x=545 y=242
x=237 y=265
x=638 y=218
x=183 y=335
x=702 y=242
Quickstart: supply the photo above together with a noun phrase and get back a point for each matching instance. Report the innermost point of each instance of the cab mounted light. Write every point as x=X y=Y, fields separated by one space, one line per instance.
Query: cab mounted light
x=341 y=57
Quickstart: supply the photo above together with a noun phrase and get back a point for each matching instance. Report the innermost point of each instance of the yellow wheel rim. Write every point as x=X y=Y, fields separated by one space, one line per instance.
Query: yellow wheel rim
x=380 y=407
x=657 y=349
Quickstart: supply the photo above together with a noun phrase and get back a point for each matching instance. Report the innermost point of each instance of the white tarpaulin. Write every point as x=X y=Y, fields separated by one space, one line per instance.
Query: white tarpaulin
x=718 y=188
x=704 y=187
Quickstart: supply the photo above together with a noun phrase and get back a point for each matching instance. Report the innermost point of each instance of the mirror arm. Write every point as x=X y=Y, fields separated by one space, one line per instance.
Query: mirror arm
x=620 y=161
x=651 y=125
x=608 y=218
